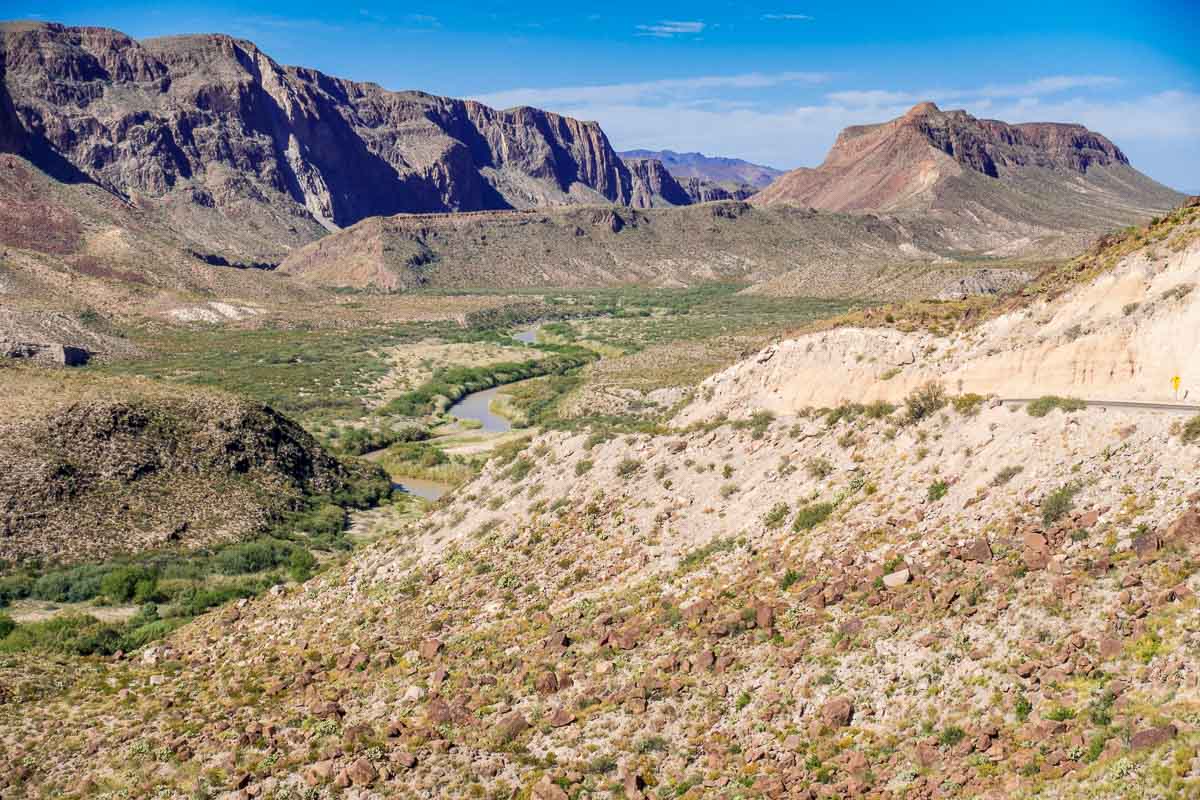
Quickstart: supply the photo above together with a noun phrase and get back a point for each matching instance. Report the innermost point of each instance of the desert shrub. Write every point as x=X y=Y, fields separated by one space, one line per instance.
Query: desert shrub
x=301 y=565
x=879 y=410
x=1044 y=405
x=776 y=516
x=1129 y=308
x=521 y=467
x=937 y=490
x=812 y=515
x=701 y=554
x=758 y=423
x=1059 y=502
x=818 y=467
x=968 y=404
x=951 y=735
x=925 y=401
x=6 y=626
x=1178 y=292
x=628 y=467
x=583 y=466
x=1191 y=430
x=1007 y=474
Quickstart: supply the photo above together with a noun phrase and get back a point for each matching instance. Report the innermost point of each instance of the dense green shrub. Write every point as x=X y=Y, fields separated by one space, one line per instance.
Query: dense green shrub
x=937 y=490
x=14 y=587
x=255 y=556
x=812 y=515
x=776 y=516
x=121 y=585
x=6 y=626
x=1059 y=502
x=1047 y=403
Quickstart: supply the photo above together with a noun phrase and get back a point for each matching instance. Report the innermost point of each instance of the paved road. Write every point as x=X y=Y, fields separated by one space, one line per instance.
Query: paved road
x=1136 y=405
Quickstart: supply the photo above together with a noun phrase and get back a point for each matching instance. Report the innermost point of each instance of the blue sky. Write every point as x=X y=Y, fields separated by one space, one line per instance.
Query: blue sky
x=768 y=81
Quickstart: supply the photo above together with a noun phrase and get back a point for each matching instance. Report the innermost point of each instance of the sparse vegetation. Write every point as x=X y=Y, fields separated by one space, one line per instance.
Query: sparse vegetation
x=1044 y=405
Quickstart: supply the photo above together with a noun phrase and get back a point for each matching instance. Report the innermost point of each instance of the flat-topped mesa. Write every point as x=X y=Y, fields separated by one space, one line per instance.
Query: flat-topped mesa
x=951 y=165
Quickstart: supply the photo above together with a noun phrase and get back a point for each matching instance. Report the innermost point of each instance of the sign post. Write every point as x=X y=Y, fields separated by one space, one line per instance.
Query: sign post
x=1175 y=385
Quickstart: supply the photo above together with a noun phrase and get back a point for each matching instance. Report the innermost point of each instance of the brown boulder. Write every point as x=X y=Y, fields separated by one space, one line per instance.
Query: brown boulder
x=430 y=648
x=979 y=550
x=511 y=726
x=1152 y=737
x=362 y=772
x=837 y=712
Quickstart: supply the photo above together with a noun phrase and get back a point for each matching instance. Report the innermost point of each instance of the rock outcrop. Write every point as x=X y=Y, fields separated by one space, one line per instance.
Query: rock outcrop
x=654 y=186
x=210 y=125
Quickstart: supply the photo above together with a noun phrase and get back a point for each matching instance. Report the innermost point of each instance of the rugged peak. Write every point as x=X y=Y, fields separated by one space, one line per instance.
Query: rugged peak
x=921 y=109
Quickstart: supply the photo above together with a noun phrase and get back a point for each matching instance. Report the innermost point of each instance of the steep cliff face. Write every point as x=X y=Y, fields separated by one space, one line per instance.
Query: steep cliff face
x=210 y=122
x=654 y=186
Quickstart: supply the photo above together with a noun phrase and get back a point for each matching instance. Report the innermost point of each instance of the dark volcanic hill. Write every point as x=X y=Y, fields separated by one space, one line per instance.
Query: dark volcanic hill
x=709 y=168
x=218 y=135
x=993 y=185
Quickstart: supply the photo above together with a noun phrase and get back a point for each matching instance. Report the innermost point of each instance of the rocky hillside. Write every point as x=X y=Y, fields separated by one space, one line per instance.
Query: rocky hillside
x=209 y=128
x=724 y=241
x=940 y=599
x=998 y=188
x=713 y=169
x=1130 y=325
x=90 y=468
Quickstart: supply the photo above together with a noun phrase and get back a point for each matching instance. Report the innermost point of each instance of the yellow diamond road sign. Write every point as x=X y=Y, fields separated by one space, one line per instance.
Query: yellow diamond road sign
x=1175 y=382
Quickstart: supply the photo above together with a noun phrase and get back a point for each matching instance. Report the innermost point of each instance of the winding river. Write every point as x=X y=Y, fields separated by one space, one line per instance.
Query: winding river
x=474 y=406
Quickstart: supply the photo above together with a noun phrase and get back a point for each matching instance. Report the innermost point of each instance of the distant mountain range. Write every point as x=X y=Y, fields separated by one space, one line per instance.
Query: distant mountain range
x=192 y=166
x=709 y=168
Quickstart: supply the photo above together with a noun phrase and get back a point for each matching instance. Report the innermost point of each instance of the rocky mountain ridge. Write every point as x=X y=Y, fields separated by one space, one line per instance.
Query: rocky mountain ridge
x=210 y=125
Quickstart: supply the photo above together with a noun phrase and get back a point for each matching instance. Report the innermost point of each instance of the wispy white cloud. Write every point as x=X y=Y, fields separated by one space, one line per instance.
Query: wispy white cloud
x=1039 y=87
x=786 y=17
x=667 y=29
x=667 y=89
